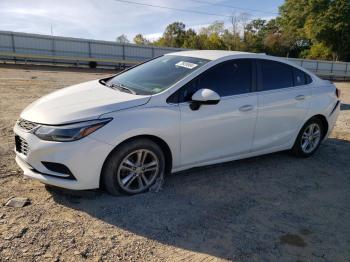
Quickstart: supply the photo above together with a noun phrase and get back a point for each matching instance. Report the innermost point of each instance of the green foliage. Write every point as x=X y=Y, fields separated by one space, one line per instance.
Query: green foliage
x=317 y=29
x=255 y=34
x=333 y=28
x=319 y=51
x=139 y=39
x=217 y=28
x=319 y=21
x=174 y=35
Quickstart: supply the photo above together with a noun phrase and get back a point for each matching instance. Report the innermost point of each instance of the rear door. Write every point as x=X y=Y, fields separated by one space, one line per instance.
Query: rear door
x=226 y=129
x=283 y=102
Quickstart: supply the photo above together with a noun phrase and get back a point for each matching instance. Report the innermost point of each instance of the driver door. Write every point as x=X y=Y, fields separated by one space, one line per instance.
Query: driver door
x=223 y=130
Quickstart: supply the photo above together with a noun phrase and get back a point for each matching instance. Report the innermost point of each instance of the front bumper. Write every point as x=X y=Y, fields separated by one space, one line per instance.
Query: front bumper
x=84 y=158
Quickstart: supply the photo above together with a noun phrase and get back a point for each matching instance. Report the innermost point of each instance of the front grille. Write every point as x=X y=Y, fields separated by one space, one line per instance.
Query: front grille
x=26 y=125
x=21 y=145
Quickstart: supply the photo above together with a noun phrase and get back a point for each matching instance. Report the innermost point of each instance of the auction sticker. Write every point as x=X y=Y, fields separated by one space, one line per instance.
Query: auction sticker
x=186 y=64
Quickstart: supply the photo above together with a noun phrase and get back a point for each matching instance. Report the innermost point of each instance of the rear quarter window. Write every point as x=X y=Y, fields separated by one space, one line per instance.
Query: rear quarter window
x=308 y=79
x=301 y=78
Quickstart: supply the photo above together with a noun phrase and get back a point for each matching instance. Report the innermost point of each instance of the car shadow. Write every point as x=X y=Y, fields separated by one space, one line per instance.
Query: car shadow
x=239 y=209
x=344 y=107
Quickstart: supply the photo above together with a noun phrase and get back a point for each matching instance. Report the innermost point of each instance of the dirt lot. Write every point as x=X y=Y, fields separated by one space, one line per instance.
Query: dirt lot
x=269 y=208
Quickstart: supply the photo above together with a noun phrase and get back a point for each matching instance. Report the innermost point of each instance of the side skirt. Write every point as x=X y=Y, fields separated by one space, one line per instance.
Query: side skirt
x=232 y=158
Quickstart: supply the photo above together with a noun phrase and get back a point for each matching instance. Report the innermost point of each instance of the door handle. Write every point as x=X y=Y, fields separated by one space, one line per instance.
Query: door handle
x=300 y=97
x=246 y=108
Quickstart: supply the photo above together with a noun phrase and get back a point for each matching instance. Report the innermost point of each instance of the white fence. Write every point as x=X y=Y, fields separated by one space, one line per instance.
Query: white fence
x=33 y=48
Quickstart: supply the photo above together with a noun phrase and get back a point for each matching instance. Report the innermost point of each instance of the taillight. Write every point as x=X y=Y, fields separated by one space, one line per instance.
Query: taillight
x=337 y=92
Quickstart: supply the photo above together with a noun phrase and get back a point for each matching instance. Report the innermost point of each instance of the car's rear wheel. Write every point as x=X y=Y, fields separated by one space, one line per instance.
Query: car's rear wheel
x=309 y=138
x=133 y=167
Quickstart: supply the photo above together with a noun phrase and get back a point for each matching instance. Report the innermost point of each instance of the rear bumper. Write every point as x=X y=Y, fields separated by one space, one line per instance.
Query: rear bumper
x=332 y=118
x=84 y=158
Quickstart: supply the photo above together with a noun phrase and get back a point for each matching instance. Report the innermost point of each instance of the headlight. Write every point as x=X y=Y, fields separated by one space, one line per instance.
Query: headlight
x=70 y=132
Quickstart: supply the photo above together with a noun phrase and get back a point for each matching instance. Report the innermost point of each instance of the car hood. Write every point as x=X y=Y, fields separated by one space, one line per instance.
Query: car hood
x=80 y=102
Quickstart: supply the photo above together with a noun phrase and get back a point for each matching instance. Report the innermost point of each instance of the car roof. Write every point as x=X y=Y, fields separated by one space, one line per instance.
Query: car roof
x=218 y=54
x=212 y=54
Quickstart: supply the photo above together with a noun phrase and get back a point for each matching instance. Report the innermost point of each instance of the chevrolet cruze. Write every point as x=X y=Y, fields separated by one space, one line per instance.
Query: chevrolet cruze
x=175 y=112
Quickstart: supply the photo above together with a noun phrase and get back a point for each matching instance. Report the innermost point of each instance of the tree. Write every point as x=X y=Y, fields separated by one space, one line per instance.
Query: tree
x=255 y=34
x=192 y=41
x=277 y=44
x=235 y=21
x=303 y=28
x=174 y=35
x=217 y=27
x=139 y=39
x=215 y=42
x=122 y=39
x=318 y=51
x=256 y=26
x=332 y=27
x=318 y=21
x=244 y=21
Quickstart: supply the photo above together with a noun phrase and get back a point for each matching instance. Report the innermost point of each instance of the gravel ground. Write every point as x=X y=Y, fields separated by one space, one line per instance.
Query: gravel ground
x=269 y=208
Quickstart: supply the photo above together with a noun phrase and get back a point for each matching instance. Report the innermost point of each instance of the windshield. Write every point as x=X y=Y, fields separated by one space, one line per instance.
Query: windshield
x=156 y=75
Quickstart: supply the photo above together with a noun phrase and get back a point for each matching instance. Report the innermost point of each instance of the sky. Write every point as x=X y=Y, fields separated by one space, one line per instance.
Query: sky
x=107 y=19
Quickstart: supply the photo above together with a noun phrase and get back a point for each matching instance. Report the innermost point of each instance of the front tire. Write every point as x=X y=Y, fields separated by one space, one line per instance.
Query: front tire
x=133 y=167
x=309 y=138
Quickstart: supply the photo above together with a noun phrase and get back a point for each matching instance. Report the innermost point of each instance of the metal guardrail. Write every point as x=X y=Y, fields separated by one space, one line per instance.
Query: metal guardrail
x=332 y=70
x=76 y=60
x=34 y=48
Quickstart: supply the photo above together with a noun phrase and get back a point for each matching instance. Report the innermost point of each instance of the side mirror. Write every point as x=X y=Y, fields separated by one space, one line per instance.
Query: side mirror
x=204 y=97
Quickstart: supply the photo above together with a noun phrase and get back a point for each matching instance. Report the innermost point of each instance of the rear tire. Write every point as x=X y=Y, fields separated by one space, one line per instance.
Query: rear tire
x=133 y=167
x=309 y=138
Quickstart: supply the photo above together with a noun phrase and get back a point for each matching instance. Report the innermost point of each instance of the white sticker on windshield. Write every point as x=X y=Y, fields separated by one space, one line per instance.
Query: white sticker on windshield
x=186 y=64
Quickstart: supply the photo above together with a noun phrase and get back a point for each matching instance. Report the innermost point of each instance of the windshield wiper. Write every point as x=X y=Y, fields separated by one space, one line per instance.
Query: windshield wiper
x=103 y=82
x=123 y=88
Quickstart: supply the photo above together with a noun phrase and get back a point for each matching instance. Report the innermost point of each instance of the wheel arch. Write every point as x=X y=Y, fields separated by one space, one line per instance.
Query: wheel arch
x=159 y=141
x=324 y=121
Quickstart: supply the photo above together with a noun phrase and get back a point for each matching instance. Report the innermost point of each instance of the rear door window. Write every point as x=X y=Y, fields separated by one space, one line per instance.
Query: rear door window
x=275 y=75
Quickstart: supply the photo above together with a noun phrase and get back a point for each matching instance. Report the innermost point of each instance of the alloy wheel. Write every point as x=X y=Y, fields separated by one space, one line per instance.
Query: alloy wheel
x=137 y=171
x=311 y=138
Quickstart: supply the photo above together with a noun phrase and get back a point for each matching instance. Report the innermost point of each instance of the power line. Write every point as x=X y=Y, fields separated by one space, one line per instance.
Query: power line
x=172 y=8
x=235 y=7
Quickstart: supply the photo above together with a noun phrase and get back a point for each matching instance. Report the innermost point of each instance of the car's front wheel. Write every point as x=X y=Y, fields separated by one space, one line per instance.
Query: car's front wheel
x=309 y=138
x=133 y=167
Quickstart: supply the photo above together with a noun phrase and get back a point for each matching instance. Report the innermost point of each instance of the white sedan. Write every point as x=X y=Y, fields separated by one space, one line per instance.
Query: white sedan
x=177 y=111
